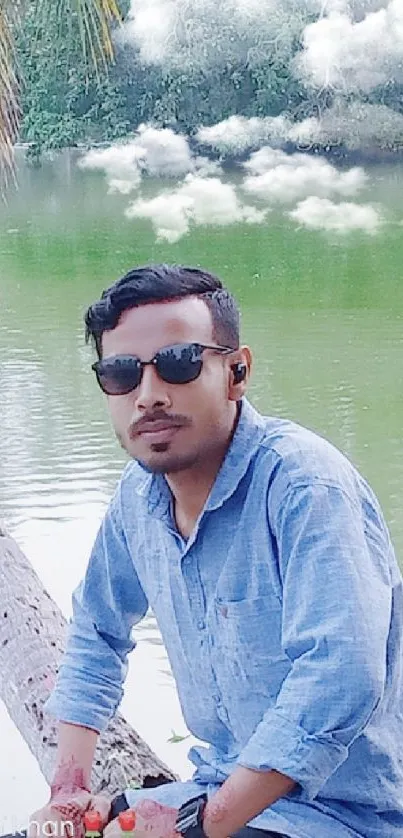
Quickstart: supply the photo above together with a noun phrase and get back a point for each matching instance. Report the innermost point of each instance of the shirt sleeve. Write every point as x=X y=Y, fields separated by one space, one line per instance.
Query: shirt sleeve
x=336 y=615
x=106 y=605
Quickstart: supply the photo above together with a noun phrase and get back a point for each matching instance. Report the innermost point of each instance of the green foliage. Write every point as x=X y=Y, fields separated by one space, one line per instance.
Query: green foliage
x=65 y=104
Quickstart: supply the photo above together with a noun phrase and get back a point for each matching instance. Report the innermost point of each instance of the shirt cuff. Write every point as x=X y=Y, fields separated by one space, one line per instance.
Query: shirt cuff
x=80 y=711
x=283 y=746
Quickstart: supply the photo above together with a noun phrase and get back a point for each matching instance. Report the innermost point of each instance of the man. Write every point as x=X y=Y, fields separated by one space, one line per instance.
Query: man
x=267 y=562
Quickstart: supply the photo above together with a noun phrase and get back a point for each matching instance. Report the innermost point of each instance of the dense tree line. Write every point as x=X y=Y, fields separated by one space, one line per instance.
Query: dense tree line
x=66 y=103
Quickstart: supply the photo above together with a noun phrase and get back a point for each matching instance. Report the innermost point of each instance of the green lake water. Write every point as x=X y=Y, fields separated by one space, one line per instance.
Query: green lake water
x=323 y=315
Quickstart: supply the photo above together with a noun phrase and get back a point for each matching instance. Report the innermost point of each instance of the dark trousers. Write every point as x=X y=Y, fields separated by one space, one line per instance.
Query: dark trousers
x=119 y=804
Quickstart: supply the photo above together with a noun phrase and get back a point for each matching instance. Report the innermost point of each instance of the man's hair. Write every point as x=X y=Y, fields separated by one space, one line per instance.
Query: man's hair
x=164 y=283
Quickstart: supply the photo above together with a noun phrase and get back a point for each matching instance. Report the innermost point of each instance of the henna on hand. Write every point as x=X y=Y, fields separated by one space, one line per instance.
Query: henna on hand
x=157 y=820
x=73 y=813
x=72 y=809
x=69 y=778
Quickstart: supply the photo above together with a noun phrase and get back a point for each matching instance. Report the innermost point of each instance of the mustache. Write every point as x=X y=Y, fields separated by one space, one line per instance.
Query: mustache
x=172 y=420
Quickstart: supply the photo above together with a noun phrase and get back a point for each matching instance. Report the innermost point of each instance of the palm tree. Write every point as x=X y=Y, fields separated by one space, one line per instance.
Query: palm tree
x=95 y=20
x=9 y=111
x=32 y=640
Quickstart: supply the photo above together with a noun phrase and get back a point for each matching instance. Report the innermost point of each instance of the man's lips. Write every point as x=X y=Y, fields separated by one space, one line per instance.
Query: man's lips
x=158 y=431
x=156 y=425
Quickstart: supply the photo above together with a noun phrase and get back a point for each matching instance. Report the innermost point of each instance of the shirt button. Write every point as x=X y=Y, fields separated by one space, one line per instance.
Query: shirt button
x=201 y=624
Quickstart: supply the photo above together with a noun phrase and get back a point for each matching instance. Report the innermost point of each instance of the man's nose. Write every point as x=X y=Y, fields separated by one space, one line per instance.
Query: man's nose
x=152 y=390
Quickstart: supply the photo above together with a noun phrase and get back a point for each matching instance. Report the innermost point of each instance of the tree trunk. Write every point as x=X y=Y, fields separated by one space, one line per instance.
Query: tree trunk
x=32 y=636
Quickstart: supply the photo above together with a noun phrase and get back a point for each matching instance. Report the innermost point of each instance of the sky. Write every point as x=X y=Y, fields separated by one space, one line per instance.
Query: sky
x=346 y=47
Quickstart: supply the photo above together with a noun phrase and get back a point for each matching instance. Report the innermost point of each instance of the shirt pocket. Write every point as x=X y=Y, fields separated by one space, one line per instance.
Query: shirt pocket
x=249 y=641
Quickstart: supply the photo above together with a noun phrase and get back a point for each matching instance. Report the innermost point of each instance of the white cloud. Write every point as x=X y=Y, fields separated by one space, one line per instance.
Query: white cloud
x=165 y=152
x=267 y=158
x=120 y=164
x=149 y=26
x=352 y=47
x=277 y=177
x=203 y=33
x=322 y=214
x=157 y=151
x=205 y=167
x=353 y=56
x=170 y=214
x=238 y=134
x=355 y=125
x=357 y=9
x=353 y=41
x=197 y=201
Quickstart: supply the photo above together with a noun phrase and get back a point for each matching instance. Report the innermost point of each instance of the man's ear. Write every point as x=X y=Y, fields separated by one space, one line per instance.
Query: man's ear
x=239 y=371
x=239 y=374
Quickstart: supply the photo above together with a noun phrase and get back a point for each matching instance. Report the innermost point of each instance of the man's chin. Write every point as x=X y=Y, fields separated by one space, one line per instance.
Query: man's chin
x=160 y=462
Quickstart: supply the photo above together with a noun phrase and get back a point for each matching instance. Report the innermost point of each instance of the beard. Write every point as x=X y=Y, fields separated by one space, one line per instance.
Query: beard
x=161 y=460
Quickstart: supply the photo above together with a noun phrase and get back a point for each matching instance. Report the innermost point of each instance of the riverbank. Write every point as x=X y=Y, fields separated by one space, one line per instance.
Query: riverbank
x=341 y=156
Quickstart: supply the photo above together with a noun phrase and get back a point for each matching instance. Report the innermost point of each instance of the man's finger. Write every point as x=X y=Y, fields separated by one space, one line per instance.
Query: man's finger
x=80 y=800
x=47 y=825
x=113 y=829
x=43 y=823
x=68 y=816
x=101 y=803
x=52 y=827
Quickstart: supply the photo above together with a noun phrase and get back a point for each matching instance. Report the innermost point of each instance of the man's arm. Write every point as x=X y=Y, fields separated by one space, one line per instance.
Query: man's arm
x=70 y=795
x=242 y=797
x=336 y=614
x=106 y=605
x=74 y=758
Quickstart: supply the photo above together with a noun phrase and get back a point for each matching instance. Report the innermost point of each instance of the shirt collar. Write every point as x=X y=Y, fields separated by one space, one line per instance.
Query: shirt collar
x=248 y=434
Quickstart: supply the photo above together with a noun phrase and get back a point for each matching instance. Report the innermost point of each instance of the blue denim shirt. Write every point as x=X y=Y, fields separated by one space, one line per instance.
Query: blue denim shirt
x=282 y=619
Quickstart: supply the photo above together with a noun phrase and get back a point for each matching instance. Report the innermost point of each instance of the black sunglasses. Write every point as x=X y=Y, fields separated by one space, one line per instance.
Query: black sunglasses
x=177 y=364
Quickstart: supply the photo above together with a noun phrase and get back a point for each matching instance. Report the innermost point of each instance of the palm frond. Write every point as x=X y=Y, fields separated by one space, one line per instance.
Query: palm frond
x=95 y=19
x=98 y=17
x=9 y=108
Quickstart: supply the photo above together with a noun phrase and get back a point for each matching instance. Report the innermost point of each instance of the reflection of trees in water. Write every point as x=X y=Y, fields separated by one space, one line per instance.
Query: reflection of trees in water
x=182 y=353
x=171 y=354
x=125 y=362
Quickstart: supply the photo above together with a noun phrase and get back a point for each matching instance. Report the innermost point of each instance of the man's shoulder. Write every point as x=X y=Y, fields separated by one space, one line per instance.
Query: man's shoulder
x=301 y=456
x=293 y=442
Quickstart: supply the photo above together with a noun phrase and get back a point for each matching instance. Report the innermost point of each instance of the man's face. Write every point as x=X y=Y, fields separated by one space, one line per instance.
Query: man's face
x=202 y=410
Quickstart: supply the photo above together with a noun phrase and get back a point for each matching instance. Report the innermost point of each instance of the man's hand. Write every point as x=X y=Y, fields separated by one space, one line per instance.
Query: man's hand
x=63 y=815
x=152 y=821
